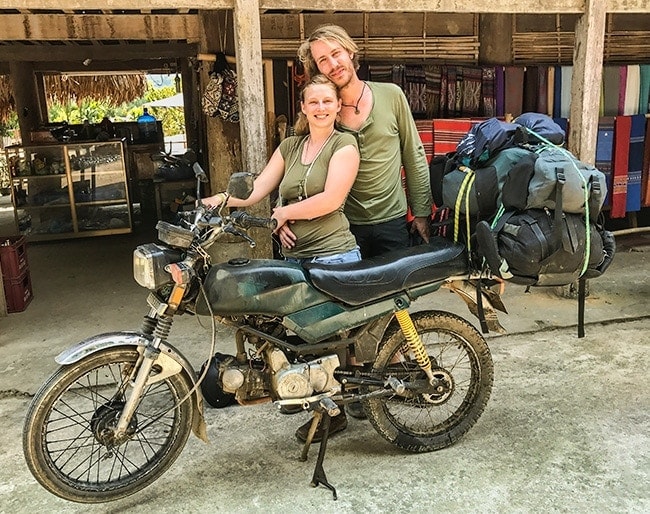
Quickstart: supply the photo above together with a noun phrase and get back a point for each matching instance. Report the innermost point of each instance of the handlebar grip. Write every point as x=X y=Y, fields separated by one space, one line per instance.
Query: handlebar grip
x=245 y=220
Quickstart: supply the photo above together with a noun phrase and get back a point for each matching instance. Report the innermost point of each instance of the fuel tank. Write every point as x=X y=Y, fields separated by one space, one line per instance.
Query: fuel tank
x=257 y=286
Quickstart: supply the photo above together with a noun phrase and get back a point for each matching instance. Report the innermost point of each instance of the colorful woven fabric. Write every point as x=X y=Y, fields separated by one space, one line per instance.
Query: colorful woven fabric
x=471 y=94
x=432 y=76
x=416 y=89
x=447 y=133
x=622 y=128
x=605 y=151
x=488 y=91
x=635 y=164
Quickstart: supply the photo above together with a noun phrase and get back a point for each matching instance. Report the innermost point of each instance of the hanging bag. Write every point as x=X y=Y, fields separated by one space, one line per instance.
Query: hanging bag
x=220 y=95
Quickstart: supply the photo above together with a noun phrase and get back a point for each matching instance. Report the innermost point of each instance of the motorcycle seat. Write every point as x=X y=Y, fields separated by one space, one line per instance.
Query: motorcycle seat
x=371 y=279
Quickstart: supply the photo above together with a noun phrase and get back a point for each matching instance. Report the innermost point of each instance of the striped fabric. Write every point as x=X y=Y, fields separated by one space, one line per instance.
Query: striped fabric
x=447 y=133
x=432 y=75
x=645 y=174
x=488 y=92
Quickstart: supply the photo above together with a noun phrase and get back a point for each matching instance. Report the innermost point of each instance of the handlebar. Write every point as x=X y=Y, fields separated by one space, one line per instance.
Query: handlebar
x=245 y=220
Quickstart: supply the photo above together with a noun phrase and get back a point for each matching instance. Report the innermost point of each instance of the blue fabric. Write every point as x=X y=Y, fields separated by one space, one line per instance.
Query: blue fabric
x=605 y=152
x=635 y=164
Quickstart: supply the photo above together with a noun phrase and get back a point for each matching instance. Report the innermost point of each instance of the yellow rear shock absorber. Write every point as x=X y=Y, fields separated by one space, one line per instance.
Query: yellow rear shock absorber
x=414 y=342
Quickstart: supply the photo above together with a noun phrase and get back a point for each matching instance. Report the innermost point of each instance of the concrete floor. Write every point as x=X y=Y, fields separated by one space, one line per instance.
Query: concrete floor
x=566 y=428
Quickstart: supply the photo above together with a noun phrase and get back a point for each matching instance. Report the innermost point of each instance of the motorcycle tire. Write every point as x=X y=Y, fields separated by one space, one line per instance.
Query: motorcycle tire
x=67 y=434
x=211 y=384
x=430 y=419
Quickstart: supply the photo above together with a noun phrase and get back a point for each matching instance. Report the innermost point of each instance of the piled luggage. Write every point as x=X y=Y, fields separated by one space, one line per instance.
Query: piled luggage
x=528 y=210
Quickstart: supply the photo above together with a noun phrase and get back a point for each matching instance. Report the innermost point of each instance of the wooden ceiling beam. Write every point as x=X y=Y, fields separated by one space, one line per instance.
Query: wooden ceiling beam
x=56 y=27
x=39 y=53
x=458 y=6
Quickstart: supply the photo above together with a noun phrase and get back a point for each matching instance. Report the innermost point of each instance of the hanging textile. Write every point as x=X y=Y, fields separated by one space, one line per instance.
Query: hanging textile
x=432 y=76
x=542 y=89
x=645 y=175
x=425 y=131
x=416 y=89
x=644 y=89
x=622 y=86
x=499 y=91
x=514 y=90
x=557 y=92
x=450 y=92
x=620 y=164
x=550 y=89
x=604 y=152
x=565 y=102
x=488 y=108
x=531 y=89
x=632 y=86
x=611 y=87
x=635 y=165
x=471 y=91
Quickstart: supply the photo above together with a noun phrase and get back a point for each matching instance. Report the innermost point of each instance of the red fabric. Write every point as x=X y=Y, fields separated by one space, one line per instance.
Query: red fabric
x=514 y=98
x=622 y=129
x=447 y=133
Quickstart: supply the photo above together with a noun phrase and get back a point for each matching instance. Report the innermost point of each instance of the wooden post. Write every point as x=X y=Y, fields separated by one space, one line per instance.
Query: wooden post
x=252 y=110
x=586 y=81
x=25 y=93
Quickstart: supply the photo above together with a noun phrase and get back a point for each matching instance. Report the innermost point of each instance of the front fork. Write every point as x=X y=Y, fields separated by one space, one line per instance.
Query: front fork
x=157 y=325
x=415 y=343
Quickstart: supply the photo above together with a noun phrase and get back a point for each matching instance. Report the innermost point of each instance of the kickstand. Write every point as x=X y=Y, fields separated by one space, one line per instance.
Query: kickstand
x=319 y=473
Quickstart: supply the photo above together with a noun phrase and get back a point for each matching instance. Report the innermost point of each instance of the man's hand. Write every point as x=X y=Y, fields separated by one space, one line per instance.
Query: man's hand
x=285 y=235
x=421 y=224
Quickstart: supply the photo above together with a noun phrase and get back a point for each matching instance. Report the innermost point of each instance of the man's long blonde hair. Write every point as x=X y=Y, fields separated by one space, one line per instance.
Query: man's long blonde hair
x=327 y=32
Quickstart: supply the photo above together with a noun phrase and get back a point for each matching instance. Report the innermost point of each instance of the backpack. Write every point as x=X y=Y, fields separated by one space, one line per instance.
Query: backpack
x=555 y=178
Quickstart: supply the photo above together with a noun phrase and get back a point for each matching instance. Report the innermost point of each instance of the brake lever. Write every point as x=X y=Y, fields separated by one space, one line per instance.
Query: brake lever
x=230 y=229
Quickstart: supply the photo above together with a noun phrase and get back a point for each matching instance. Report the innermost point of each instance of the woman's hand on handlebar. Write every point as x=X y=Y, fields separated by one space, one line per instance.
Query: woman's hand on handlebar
x=215 y=201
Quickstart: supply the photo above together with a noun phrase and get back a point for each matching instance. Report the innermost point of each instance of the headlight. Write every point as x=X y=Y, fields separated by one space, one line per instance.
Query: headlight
x=149 y=263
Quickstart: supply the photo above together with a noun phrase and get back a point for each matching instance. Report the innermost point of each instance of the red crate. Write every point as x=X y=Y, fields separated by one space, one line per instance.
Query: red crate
x=18 y=292
x=13 y=257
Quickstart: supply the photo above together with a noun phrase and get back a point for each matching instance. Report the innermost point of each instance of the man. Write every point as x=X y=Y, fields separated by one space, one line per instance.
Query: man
x=379 y=116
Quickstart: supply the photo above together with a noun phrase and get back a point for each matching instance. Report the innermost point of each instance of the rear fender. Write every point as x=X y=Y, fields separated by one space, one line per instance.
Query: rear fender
x=169 y=359
x=491 y=302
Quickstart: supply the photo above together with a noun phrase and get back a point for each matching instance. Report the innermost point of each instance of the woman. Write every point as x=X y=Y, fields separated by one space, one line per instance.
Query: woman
x=314 y=172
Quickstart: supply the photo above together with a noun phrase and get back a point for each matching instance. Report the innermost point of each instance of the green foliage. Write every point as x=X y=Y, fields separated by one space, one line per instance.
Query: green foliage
x=92 y=110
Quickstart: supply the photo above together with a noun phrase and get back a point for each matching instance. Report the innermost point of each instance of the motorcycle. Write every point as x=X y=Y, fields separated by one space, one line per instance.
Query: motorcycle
x=120 y=408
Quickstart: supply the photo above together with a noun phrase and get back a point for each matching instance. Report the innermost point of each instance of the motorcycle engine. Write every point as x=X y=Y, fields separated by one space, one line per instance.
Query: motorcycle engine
x=288 y=381
x=303 y=379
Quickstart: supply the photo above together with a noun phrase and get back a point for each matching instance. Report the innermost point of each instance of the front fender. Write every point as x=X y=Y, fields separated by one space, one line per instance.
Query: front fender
x=101 y=342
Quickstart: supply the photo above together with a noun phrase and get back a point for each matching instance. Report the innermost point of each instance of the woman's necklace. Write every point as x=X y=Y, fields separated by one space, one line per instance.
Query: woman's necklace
x=356 y=106
x=303 y=182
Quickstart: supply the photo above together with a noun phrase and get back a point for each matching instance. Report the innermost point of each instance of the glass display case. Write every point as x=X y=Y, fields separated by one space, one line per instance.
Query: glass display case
x=69 y=190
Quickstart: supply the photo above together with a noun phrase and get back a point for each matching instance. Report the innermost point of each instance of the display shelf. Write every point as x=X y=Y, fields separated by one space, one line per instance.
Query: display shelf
x=69 y=190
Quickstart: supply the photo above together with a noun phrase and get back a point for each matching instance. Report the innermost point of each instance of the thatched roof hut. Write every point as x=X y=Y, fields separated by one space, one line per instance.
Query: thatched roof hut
x=115 y=89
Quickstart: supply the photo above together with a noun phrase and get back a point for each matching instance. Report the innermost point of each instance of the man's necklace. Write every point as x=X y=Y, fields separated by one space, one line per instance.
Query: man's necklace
x=356 y=106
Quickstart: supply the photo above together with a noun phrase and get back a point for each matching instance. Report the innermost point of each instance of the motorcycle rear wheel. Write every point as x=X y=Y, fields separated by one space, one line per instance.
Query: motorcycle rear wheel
x=67 y=434
x=423 y=422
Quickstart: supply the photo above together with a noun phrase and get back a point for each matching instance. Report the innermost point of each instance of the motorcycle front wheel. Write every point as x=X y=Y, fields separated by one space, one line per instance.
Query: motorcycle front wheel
x=425 y=418
x=68 y=435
